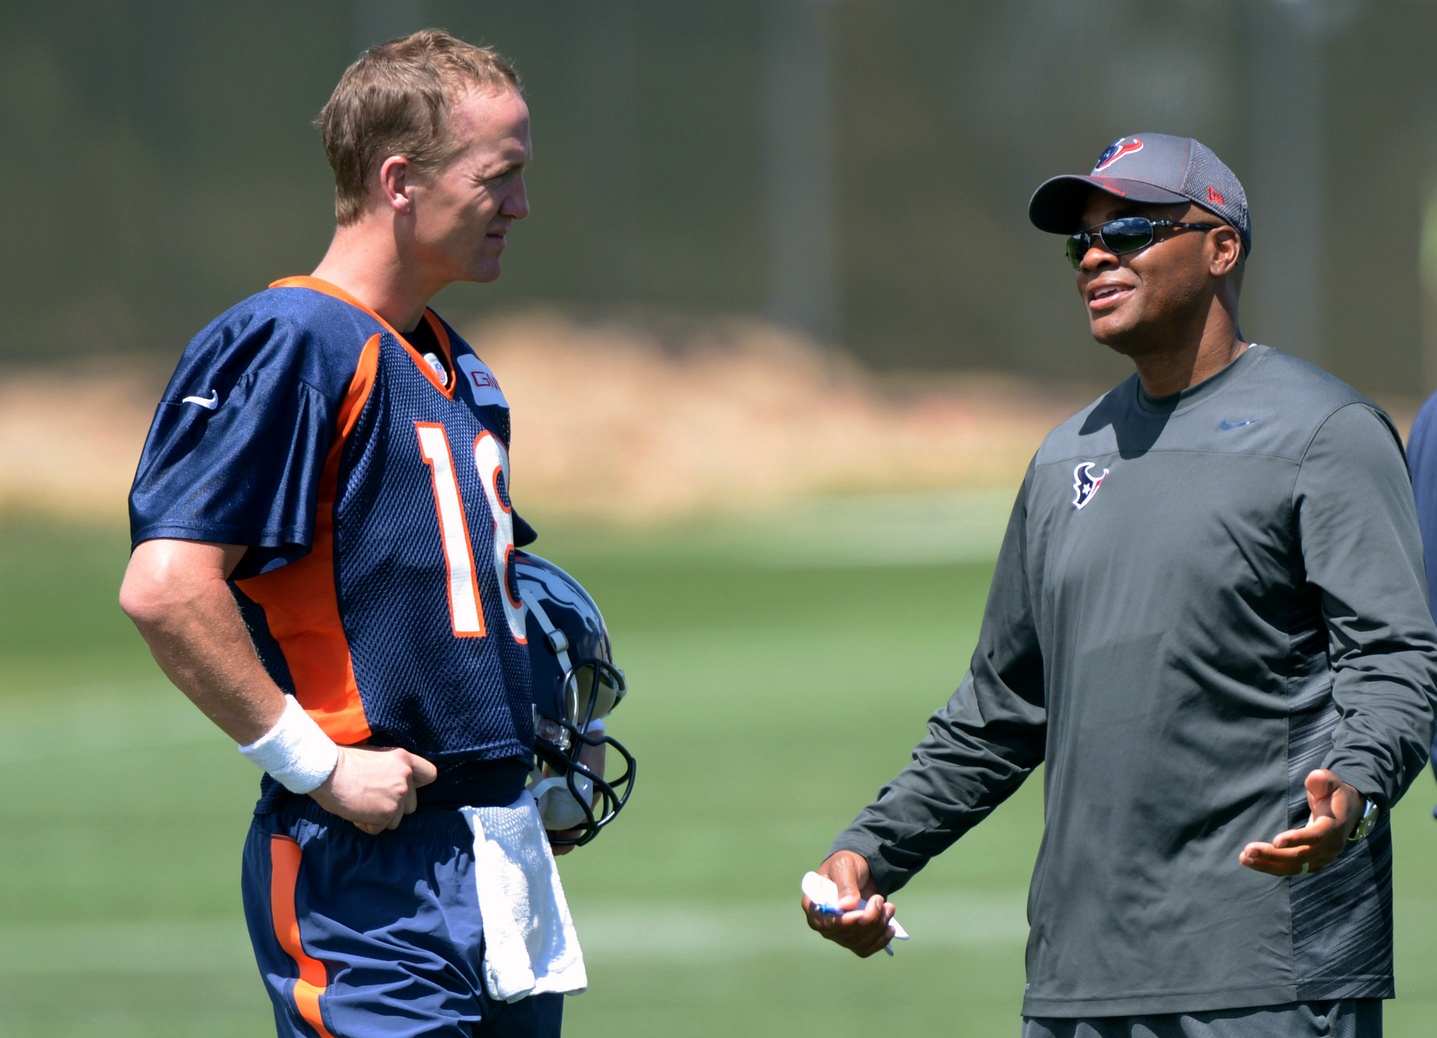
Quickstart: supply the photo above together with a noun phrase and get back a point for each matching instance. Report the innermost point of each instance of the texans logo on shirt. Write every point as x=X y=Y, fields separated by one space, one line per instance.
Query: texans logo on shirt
x=1085 y=484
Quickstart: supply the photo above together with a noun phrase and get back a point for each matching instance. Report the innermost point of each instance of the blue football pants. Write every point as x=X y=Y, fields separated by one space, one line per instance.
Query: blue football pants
x=359 y=936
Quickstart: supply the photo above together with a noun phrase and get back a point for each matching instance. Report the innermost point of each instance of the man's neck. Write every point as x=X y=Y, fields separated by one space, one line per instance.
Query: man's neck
x=362 y=260
x=1186 y=352
x=1163 y=373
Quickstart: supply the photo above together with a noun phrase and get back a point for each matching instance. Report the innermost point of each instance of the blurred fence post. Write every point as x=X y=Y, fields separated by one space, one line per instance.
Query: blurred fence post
x=1287 y=149
x=1427 y=284
x=800 y=189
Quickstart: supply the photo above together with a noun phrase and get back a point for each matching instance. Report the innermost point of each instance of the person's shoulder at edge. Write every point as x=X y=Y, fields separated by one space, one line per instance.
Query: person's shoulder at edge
x=314 y=335
x=1276 y=369
x=1420 y=440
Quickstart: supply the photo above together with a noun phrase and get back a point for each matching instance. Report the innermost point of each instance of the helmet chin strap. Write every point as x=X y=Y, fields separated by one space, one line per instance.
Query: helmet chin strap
x=557 y=641
x=558 y=796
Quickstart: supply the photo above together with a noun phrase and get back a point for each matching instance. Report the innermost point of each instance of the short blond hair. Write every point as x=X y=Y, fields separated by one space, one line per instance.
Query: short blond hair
x=395 y=100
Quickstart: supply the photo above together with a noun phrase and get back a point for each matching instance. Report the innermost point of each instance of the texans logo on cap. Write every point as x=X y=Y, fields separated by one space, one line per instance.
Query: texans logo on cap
x=1116 y=150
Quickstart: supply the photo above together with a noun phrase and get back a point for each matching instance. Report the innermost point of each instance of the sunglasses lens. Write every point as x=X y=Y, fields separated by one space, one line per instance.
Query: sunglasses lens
x=1119 y=237
x=1129 y=234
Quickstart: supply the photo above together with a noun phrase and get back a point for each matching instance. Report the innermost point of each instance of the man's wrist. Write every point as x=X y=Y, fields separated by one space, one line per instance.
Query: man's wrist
x=295 y=752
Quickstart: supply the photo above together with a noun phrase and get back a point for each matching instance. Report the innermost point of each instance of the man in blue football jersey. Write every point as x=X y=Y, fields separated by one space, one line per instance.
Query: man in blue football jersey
x=322 y=536
x=1208 y=623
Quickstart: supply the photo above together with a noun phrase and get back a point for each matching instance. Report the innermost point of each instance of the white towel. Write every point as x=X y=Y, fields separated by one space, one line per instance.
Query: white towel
x=530 y=947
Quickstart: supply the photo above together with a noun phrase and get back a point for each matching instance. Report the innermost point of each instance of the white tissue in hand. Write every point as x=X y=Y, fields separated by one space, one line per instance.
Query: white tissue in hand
x=823 y=892
x=558 y=807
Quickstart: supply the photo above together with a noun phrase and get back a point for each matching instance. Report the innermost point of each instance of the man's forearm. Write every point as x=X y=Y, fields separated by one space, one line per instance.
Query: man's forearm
x=177 y=595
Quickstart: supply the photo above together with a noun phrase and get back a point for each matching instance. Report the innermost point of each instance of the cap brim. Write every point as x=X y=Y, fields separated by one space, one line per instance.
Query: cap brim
x=1057 y=206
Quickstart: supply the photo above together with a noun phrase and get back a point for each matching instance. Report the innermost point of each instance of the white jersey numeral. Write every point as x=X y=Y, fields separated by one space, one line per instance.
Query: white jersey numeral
x=464 y=608
x=466 y=612
x=492 y=461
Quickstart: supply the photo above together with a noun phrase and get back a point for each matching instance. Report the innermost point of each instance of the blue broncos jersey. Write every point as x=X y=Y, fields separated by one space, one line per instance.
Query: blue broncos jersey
x=374 y=500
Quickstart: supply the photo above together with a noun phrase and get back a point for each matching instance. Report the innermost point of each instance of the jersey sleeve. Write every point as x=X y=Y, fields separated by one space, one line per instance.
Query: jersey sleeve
x=980 y=746
x=1360 y=545
x=238 y=444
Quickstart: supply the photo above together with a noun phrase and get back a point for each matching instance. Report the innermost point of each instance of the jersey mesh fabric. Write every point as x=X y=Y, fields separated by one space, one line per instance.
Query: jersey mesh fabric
x=463 y=697
x=364 y=642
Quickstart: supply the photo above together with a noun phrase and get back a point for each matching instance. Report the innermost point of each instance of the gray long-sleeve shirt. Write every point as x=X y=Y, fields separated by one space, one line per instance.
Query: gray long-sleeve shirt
x=1199 y=599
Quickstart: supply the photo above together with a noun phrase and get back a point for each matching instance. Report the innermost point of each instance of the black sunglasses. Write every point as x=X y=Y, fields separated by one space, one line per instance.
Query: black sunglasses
x=1125 y=235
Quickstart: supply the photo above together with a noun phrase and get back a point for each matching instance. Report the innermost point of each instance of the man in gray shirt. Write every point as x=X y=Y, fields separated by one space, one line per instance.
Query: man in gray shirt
x=1209 y=621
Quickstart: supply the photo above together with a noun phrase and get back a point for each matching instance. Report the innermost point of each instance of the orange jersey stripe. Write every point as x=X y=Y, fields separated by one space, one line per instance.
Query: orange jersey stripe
x=301 y=604
x=285 y=855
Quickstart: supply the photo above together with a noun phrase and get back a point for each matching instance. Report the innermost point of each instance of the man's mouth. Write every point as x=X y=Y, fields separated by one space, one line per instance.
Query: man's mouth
x=1103 y=295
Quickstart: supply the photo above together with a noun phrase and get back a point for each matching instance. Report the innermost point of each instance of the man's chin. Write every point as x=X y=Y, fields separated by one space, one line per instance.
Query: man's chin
x=485 y=273
x=1109 y=333
x=1103 y=333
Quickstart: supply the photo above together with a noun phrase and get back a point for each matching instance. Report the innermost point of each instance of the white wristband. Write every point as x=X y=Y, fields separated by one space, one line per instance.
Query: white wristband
x=296 y=752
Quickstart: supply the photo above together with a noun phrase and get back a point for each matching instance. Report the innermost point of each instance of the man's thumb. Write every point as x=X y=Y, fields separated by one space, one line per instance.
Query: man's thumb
x=424 y=771
x=1320 y=784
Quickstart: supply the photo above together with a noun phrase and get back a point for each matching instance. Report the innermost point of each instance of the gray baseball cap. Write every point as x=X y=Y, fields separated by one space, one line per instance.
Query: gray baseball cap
x=1147 y=167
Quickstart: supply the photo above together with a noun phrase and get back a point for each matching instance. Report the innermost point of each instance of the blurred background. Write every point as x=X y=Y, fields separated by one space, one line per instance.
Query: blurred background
x=780 y=340
x=854 y=168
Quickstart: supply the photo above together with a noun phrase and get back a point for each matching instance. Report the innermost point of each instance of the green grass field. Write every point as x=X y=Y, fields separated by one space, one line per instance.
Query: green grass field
x=775 y=685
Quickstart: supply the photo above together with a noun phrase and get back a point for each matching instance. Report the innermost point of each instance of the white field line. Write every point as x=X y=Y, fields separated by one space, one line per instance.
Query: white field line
x=885 y=530
x=913 y=529
x=733 y=931
x=49 y=949
x=610 y=932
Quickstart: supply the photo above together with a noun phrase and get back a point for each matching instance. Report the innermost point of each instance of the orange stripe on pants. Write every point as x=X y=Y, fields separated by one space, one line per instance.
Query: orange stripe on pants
x=284 y=877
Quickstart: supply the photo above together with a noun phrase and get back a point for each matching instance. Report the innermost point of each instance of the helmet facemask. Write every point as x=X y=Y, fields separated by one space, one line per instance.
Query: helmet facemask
x=591 y=690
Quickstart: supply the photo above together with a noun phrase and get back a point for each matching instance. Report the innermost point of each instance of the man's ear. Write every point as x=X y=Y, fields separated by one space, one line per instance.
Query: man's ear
x=394 y=186
x=1226 y=246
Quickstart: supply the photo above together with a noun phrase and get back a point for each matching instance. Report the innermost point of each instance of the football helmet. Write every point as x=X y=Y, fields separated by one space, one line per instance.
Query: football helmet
x=575 y=684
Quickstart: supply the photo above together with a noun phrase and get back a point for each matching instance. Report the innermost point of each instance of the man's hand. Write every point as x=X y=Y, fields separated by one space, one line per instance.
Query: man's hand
x=176 y=592
x=563 y=834
x=374 y=788
x=1336 y=807
x=592 y=757
x=865 y=932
